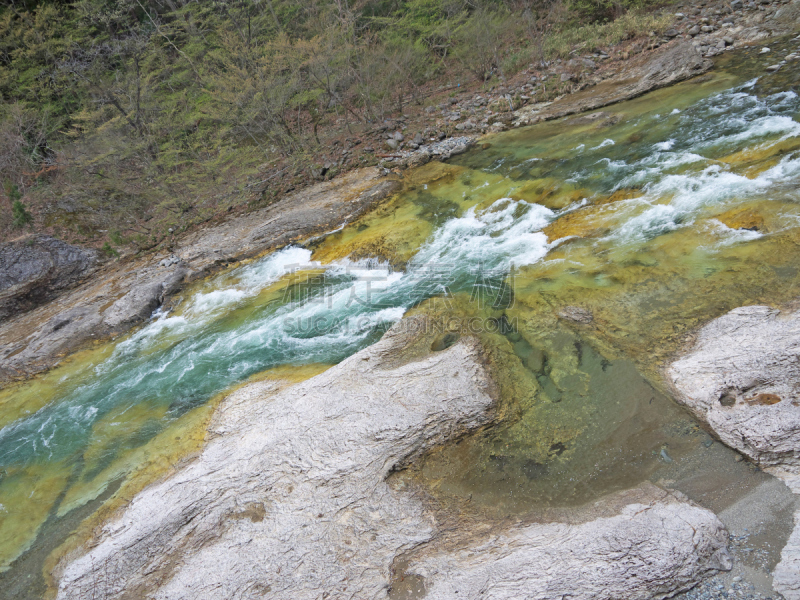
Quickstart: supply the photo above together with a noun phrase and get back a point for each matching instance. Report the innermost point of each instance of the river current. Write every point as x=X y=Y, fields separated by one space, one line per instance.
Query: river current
x=647 y=221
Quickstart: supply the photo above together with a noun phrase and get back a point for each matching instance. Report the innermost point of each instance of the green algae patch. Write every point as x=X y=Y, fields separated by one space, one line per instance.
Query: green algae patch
x=27 y=498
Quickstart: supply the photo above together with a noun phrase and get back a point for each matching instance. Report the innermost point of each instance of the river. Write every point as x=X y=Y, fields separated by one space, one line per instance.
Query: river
x=581 y=251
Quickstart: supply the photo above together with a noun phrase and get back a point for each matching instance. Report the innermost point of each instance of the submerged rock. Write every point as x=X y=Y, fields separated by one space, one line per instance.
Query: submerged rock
x=289 y=499
x=576 y=314
x=742 y=377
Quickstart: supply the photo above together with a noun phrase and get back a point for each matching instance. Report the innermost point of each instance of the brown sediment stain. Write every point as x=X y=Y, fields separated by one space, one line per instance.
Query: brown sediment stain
x=763 y=400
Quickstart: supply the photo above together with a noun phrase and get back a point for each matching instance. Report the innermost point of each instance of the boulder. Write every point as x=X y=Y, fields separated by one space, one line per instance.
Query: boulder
x=742 y=378
x=629 y=555
x=34 y=269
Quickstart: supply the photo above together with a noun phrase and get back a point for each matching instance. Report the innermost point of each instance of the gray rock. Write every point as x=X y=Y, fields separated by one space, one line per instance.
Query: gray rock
x=773 y=68
x=399 y=136
x=34 y=269
x=289 y=495
x=624 y=556
x=140 y=302
x=693 y=31
x=737 y=5
x=742 y=378
x=729 y=378
x=671 y=33
x=289 y=499
x=676 y=62
x=392 y=144
x=418 y=139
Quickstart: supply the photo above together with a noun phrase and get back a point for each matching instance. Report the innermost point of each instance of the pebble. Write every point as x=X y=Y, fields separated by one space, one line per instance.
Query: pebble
x=169 y=261
x=764 y=50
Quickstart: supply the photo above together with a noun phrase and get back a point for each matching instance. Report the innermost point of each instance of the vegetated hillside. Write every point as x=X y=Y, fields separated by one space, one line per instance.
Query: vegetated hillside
x=123 y=121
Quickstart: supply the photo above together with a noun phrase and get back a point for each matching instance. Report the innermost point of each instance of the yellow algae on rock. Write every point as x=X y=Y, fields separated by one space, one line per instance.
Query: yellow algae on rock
x=23 y=398
x=743 y=218
x=550 y=192
x=582 y=223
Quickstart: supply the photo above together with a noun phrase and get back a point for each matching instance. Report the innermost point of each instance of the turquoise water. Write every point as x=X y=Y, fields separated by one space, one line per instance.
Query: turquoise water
x=679 y=160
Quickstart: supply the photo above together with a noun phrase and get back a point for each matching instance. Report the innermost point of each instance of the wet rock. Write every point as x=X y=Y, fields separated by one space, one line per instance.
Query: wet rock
x=34 y=269
x=289 y=499
x=576 y=314
x=627 y=556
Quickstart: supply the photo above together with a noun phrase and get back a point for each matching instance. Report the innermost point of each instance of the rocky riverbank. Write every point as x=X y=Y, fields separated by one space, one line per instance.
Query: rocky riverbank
x=289 y=499
x=124 y=293
x=742 y=379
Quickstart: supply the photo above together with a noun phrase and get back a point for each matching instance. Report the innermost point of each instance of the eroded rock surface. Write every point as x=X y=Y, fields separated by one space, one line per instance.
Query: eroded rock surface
x=289 y=500
x=675 y=63
x=289 y=497
x=648 y=551
x=34 y=268
x=743 y=379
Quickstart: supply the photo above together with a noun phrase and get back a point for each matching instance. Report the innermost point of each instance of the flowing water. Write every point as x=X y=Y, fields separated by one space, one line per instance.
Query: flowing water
x=663 y=213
